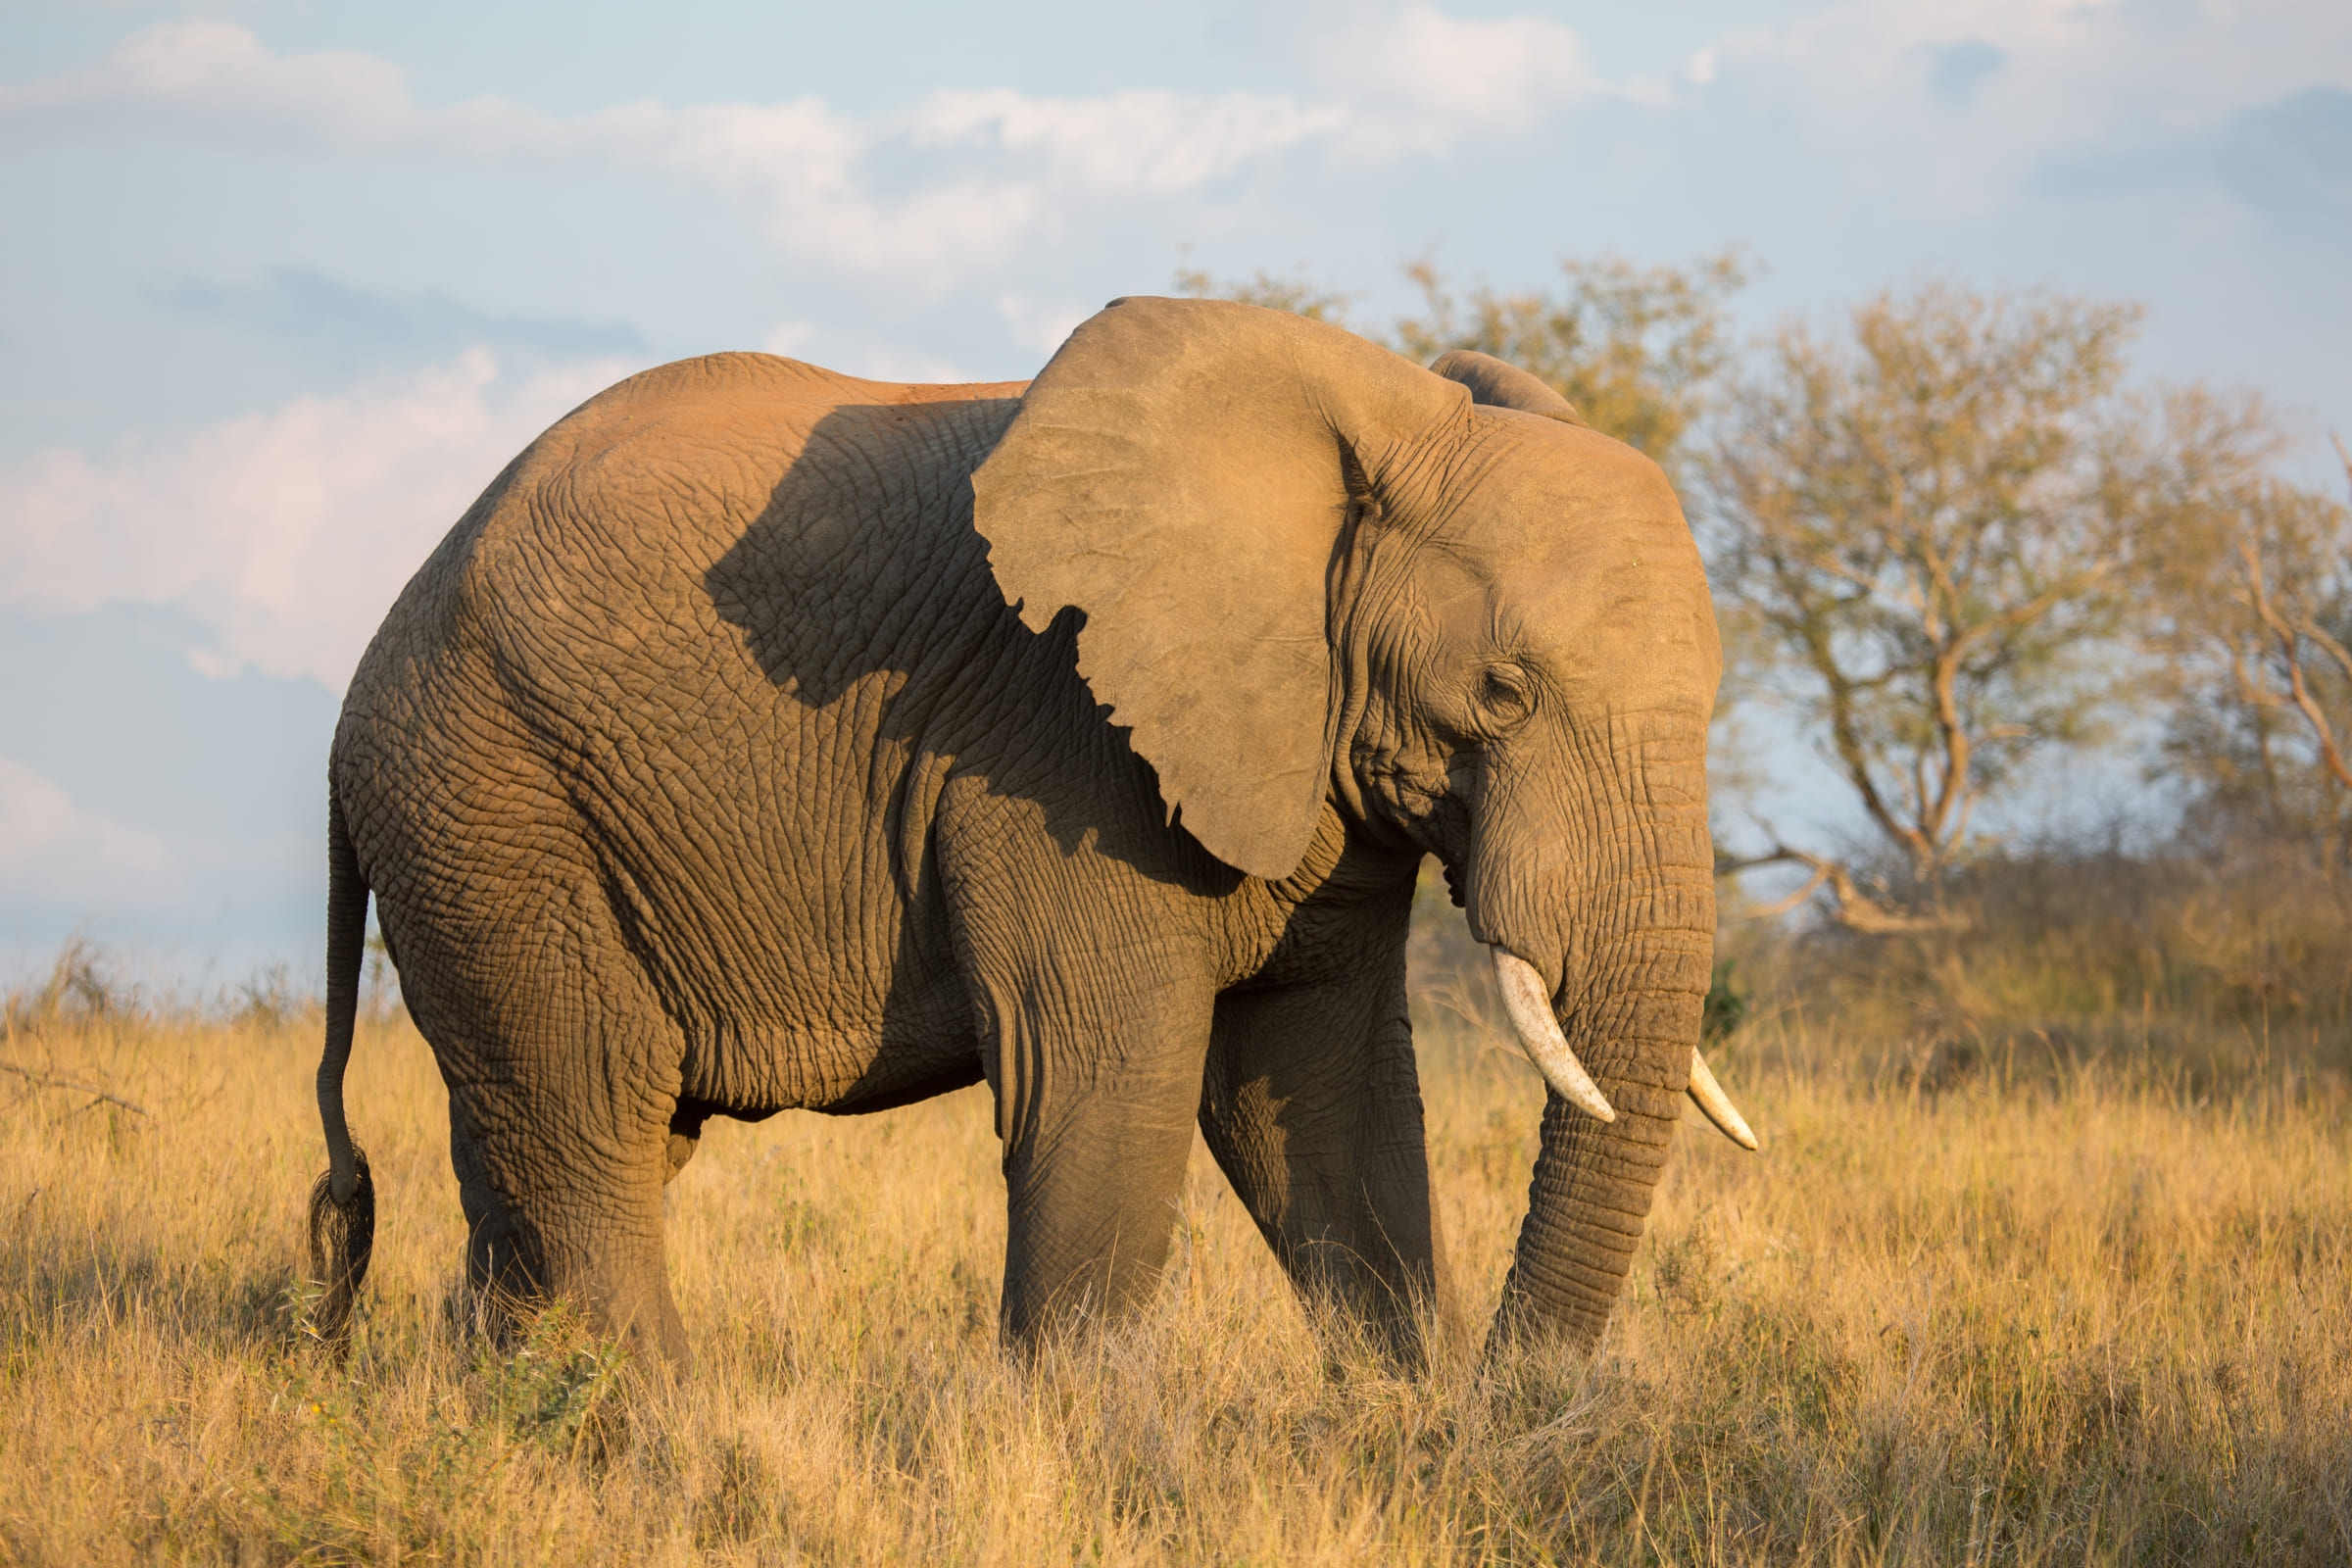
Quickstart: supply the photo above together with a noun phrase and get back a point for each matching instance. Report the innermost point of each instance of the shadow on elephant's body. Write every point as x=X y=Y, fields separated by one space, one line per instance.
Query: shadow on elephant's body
x=936 y=623
x=943 y=686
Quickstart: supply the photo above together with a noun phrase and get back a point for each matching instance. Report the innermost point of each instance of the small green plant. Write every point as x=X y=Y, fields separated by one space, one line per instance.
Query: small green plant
x=557 y=1389
x=1726 y=1004
x=292 y=1314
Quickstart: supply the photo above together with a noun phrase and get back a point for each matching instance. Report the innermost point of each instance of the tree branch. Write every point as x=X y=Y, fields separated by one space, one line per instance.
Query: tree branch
x=1854 y=910
x=42 y=1080
x=2290 y=654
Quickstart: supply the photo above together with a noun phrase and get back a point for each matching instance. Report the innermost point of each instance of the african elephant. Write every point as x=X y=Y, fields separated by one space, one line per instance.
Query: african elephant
x=767 y=738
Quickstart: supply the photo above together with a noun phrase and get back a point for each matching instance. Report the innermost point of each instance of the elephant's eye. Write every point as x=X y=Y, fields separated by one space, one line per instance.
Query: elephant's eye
x=1505 y=694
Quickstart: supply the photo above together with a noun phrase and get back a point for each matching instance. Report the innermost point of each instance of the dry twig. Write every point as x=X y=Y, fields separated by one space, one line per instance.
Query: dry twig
x=42 y=1080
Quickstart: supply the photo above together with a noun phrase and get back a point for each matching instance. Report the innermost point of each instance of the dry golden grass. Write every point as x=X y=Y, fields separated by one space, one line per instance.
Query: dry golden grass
x=2090 y=1320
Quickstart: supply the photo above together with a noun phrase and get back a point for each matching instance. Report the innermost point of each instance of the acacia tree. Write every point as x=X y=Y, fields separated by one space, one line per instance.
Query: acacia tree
x=2254 y=578
x=1297 y=295
x=1635 y=348
x=1921 y=527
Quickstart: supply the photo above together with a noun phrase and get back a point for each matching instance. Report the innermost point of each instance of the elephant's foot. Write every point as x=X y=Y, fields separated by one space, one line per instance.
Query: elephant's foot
x=575 y=1241
x=617 y=1293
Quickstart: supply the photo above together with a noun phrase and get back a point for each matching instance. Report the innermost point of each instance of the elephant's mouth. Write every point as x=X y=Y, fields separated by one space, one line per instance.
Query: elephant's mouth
x=1414 y=792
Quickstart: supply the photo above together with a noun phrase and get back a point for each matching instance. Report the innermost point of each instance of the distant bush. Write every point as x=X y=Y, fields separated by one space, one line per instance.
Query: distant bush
x=81 y=987
x=2207 y=969
x=89 y=984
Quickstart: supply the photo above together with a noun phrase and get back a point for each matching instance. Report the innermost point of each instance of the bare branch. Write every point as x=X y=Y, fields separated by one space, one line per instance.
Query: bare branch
x=1852 y=906
x=42 y=1080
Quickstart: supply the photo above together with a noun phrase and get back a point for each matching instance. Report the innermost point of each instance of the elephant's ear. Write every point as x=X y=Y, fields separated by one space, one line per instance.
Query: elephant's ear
x=1498 y=383
x=1180 y=472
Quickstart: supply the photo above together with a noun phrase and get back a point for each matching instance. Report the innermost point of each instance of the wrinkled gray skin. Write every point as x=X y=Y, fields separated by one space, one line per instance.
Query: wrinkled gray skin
x=746 y=747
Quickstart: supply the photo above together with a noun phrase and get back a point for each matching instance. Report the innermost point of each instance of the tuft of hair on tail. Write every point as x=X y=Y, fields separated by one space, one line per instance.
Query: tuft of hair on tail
x=342 y=1242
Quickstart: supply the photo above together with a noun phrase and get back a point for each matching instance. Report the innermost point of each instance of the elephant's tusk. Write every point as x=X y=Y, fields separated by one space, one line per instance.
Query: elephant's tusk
x=1718 y=1105
x=1528 y=1001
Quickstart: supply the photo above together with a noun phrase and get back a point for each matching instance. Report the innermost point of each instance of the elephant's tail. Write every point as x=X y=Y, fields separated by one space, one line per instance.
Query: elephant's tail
x=343 y=1202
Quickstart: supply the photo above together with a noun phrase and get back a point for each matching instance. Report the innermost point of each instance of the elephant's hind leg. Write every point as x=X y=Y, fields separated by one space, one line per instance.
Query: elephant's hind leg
x=563 y=1083
x=571 y=1211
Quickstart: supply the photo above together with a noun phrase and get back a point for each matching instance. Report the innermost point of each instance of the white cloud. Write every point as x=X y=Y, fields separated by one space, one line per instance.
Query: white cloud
x=797 y=168
x=793 y=165
x=1136 y=140
x=54 y=852
x=285 y=533
x=1421 y=80
x=966 y=179
x=791 y=339
x=992 y=165
x=1954 y=103
x=1041 y=326
x=219 y=75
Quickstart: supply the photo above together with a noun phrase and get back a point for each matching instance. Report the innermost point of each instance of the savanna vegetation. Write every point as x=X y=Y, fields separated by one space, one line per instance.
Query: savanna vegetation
x=2047 y=1258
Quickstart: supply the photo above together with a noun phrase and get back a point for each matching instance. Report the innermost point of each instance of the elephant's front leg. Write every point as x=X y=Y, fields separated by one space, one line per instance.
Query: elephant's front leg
x=1312 y=1105
x=1095 y=1100
x=1088 y=960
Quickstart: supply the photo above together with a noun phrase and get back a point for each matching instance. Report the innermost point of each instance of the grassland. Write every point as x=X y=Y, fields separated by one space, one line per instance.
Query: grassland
x=2073 y=1306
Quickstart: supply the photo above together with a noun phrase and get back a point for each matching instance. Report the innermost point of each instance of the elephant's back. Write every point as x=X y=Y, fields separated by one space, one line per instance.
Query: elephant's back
x=738 y=526
x=655 y=512
x=694 y=453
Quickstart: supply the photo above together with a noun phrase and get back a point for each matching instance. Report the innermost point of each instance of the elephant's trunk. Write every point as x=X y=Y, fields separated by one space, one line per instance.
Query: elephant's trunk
x=1627 y=902
x=1594 y=1180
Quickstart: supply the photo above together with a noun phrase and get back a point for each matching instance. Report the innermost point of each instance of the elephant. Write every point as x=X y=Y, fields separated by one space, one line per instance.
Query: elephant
x=765 y=738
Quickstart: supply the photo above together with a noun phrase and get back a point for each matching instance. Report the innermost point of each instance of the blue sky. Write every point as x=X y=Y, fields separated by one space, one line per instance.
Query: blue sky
x=287 y=284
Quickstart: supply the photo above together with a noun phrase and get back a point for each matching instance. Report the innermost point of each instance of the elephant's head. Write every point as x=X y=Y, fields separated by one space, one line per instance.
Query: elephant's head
x=1313 y=572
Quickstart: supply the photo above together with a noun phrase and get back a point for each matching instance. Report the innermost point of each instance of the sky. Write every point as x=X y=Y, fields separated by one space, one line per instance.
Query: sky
x=287 y=284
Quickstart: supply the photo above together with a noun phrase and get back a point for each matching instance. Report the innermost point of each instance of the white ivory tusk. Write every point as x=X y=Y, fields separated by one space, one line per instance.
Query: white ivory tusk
x=1528 y=1002
x=1718 y=1105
